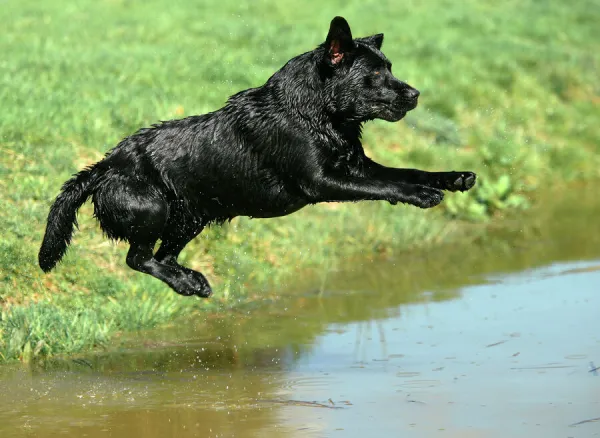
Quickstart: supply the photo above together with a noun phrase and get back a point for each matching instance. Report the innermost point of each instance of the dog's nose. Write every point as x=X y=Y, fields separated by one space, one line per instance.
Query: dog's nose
x=412 y=93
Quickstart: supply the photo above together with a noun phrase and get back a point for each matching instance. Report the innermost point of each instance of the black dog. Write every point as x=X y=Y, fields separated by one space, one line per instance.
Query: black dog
x=268 y=152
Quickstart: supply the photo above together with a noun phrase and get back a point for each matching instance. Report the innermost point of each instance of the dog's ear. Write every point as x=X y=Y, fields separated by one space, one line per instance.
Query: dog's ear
x=373 y=40
x=339 y=41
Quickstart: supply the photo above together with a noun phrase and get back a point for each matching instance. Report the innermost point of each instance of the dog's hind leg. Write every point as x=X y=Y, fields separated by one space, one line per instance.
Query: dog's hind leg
x=136 y=211
x=182 y=280
x=180 y=229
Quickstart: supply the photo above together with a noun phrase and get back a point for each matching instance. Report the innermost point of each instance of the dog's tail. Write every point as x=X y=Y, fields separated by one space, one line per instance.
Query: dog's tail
x=63 y=217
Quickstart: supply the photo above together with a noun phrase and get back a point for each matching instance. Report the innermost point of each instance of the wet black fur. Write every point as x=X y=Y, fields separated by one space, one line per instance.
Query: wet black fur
x=268 y=152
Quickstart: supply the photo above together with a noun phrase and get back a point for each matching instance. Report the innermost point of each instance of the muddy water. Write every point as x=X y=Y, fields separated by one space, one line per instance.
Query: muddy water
x=496 y=337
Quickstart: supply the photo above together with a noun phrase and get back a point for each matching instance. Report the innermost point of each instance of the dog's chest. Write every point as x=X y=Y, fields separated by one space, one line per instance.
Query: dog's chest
x=347 y=159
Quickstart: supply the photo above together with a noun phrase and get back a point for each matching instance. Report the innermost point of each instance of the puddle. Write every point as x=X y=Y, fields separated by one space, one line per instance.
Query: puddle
x=503 y=341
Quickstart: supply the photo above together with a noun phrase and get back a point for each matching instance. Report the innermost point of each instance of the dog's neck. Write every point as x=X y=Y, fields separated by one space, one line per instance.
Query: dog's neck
x=349 y=130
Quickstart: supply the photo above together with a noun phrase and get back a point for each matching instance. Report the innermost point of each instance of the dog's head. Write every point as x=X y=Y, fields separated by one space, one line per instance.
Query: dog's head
x=360 y=77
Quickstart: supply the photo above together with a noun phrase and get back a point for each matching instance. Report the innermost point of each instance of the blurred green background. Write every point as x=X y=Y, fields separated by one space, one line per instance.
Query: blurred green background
x=509 y=90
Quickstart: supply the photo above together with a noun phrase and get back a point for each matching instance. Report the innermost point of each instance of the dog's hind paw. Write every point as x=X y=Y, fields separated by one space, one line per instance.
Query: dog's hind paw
x=193 y=283
x=201 y=289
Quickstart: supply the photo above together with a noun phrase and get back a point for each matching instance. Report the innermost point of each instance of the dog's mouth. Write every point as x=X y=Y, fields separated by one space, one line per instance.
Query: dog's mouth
x=403 y=106
x=396 y=110
x=392 y=115
x=408 y=104
x=398 y=115
x=399 y=104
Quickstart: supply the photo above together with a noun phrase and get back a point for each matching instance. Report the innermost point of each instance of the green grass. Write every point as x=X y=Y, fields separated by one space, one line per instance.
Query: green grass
x=508 y=90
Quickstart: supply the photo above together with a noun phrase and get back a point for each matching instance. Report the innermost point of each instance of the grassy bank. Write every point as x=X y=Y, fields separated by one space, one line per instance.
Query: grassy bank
x=509 y=91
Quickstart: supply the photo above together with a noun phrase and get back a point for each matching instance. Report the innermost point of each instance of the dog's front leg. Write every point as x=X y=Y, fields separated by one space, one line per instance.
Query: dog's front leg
x=334 y=188
x=452 y=181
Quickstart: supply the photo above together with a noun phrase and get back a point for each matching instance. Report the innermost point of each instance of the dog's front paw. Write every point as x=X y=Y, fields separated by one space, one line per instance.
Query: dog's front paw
x=461 y=181
x=426 y=197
